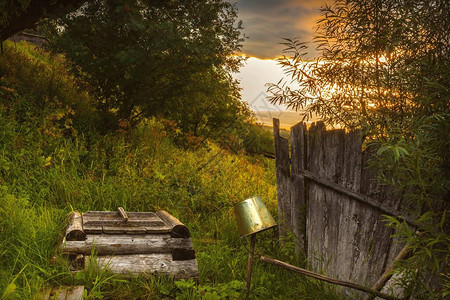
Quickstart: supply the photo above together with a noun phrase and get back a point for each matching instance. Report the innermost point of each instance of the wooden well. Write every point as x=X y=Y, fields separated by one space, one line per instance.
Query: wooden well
x=131 y=243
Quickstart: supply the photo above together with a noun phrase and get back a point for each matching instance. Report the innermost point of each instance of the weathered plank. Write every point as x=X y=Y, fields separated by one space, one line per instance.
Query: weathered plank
x=374 y=239
x=112 y=222
x=298 y=198
x=104 y=244
x=74 y=229
x=156 y=263
x=114 y=218
x=381 y=282
x=177 y=229
x=283 y=180
x=351 y=181
x=333 y=161
x=359 y=197
x=317 y=219
x=64 y=293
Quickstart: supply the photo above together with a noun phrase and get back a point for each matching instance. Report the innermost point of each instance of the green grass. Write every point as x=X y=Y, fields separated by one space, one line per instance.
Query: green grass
x=52 y=163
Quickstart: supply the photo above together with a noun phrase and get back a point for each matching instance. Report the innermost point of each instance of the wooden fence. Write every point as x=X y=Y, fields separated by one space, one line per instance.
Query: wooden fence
x=333 y=204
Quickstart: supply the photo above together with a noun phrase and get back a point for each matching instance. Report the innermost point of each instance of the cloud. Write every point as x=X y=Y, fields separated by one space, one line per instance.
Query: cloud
x=266 y=22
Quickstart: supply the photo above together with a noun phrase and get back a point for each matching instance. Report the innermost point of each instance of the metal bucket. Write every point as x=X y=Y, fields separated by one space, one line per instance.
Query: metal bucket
x=253 y=216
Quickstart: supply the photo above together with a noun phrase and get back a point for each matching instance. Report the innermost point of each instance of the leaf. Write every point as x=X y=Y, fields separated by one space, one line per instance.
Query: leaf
x=10 y=289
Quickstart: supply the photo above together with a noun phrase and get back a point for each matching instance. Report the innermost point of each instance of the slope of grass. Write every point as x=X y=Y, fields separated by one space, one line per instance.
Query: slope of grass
x=53 y=162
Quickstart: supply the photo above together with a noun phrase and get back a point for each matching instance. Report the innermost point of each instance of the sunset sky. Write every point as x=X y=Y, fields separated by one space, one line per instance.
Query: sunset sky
x=265 y=23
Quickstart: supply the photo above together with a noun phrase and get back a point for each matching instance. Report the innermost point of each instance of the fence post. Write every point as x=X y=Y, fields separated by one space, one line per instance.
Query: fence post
x=283 y=180
x=298 y=193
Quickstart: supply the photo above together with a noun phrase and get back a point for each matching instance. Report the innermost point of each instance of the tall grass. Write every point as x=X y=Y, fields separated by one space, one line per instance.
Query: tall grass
x=51 y=163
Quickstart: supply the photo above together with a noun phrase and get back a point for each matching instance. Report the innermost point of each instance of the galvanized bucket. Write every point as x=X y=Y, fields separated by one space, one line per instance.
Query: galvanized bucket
x=253 y=216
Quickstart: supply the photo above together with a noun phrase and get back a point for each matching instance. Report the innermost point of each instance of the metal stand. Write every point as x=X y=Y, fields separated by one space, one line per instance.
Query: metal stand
x=248 y=278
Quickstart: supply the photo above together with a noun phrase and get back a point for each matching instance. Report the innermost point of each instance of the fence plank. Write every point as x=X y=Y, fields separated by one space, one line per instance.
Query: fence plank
x=348 y=225
x=379 y=249
x=343 y=234
x=333 y=146
x=283 y=172
x=316 y=220
x=298 y=198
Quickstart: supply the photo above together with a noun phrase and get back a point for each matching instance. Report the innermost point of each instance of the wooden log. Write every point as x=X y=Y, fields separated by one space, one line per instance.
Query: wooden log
x=361 y=198
x=282 y=165
x=122 y=213
x=178 y=229
x=104 y=244
x=74 y=229
x=298 y=197
x=388 y=273
x=325 y=278
x=142 y=264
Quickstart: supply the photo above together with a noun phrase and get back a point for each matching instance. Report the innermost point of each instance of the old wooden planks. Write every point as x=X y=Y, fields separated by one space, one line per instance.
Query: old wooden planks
x=150 y=264
x=137 y=242
x=283 y=180
x=328 y=175
x=106 y=244
x=63 y=293
x=298 y=191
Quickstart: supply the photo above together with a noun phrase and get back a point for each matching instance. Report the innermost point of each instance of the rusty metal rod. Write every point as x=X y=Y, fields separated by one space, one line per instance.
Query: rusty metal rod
x=325 y=278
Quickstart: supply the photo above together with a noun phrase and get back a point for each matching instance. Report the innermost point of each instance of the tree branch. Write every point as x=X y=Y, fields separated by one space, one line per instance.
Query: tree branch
x=35 y=12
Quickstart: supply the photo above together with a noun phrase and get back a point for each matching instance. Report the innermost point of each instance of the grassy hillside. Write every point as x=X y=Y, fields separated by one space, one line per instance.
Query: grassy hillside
x=52 y=161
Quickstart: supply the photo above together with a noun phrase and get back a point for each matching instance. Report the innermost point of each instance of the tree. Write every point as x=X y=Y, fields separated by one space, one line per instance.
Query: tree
x=384 y=66
x=16 y=16
x=144 y=56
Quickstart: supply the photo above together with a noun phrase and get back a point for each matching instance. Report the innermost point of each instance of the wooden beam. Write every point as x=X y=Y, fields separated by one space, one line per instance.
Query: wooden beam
x=357 y=196
x=138 y=264
x=325 y=278
x=105 y=244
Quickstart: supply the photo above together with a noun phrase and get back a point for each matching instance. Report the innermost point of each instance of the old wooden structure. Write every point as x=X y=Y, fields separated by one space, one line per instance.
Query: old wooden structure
x=333 y=203
x=131 y=243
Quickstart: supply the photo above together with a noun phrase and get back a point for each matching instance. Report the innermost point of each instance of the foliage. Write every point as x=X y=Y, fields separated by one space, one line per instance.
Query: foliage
x=47 y=171
x=18 y=15
x=147 y=57
x=384 y=67
x=381 y=63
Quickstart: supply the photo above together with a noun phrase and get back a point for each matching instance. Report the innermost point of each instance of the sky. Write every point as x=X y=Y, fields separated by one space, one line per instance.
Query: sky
x=266 y=23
